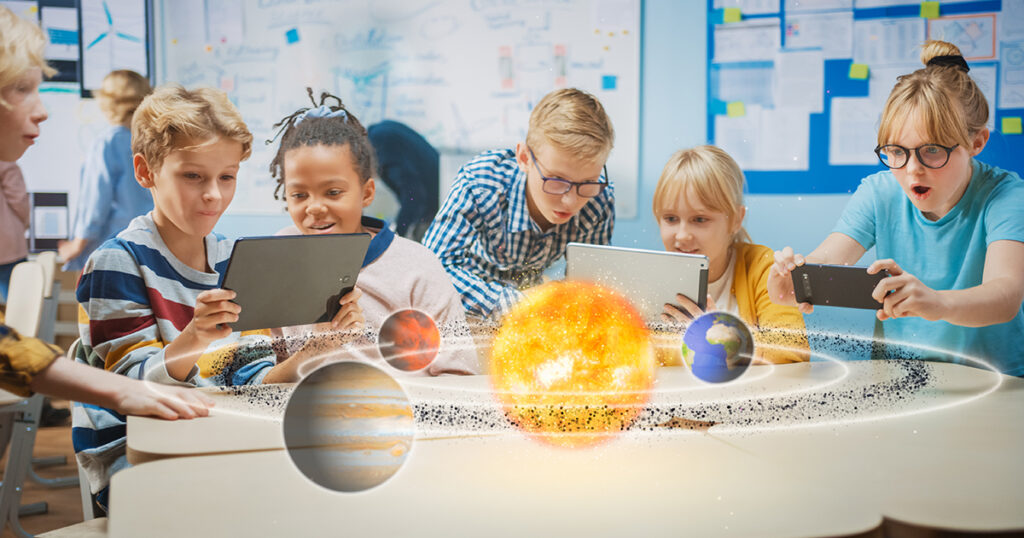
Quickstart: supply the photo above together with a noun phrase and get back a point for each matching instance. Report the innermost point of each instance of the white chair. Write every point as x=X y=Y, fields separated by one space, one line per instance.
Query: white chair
x=25 y=298
x=51 y=294
x=24 y=311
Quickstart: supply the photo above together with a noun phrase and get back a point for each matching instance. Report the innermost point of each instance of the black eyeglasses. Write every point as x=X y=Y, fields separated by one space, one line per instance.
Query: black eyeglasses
x=557 y=185
x=929 y=155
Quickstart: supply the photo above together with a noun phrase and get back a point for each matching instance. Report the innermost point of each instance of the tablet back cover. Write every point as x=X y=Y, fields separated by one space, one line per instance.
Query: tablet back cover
x=292 y=280
x=648 y=278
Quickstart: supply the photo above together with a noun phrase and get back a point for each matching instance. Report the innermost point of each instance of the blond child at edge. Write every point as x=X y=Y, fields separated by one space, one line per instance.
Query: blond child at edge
x=948 y=228
x=698 y=204
x=27 y=364
x=510 y=213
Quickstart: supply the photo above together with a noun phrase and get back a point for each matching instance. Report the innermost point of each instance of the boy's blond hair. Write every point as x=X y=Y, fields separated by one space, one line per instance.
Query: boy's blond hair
x=22 y=45
x=946 y=99
x=121 y=94
x=573 y=121
x=711 y=175
x=172 y=113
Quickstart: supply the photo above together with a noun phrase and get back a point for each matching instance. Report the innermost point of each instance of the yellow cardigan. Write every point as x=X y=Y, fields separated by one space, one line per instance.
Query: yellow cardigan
x=772 y=324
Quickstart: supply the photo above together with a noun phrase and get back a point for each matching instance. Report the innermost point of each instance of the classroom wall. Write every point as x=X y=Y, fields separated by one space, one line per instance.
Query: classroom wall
x=673 y=115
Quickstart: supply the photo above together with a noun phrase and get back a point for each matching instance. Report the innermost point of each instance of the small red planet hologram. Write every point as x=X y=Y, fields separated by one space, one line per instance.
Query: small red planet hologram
x=409 y=340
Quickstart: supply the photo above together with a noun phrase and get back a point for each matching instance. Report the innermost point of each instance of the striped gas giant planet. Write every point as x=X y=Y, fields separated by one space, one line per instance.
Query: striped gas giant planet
x=348 y=426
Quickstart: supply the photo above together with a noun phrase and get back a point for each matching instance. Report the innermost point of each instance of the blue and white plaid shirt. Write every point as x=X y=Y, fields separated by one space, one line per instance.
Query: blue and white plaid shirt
x=487 y=241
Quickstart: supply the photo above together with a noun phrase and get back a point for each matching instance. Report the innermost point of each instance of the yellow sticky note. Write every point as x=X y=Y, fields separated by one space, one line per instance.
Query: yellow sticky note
x=859 y=71
x=1011 y=125
x=732 y=14
x=735 y=109
x=930 y=10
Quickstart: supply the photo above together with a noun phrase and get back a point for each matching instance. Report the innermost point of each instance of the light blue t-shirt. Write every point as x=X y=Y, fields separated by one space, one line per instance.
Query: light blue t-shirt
x=108 y=197
x=946 y=254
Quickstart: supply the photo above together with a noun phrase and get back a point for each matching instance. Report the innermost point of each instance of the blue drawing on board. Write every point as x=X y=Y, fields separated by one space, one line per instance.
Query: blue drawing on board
x=63 y=37
x=111 y=31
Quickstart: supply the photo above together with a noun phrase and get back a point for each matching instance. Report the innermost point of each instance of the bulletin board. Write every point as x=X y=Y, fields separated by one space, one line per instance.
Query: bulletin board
x=796 y=87
x=464 y=73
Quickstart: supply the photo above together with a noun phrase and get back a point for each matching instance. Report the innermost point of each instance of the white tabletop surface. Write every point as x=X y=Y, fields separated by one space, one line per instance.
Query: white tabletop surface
x=788 y=457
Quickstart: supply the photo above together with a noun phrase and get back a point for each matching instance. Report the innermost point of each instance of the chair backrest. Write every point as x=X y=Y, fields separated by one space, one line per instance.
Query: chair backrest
x=25 y=298
x=47 y=259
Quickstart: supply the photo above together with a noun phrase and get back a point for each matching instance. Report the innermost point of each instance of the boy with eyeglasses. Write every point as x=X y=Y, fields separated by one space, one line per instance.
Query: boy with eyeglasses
x=510 y=213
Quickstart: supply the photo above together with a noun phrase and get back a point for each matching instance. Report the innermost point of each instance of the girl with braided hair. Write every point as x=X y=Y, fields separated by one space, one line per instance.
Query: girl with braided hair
x=324 y=168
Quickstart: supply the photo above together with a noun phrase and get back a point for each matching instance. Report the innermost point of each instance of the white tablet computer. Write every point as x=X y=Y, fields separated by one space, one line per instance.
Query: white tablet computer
x=292 y=280
x=648 y=278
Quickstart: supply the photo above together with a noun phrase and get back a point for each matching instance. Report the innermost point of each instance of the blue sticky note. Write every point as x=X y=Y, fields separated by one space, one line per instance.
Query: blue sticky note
x=608 y=82
x=718 y=108
x=292 y=36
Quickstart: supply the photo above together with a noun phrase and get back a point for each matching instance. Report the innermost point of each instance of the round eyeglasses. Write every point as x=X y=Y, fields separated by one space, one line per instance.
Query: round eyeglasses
x=559 y=186
x=929 y=155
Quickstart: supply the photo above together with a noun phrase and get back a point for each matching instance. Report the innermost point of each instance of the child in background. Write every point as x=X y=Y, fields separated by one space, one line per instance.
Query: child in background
x=109 y=197
x=698 y=204
x=510 y=213
x=325 y=167
x=27 y=364
x=948 y=228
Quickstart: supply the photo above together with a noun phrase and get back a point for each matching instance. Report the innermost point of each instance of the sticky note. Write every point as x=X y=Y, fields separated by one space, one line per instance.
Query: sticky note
x=733 y=14
x=930 y=10
x=292 y=36
x=1011 y=125
x=717 y=108
x=735 y=109
x=859 y=71
x=608 y=82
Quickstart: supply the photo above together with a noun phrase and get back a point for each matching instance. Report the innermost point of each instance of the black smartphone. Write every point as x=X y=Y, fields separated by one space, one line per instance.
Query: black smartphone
x=836 y=285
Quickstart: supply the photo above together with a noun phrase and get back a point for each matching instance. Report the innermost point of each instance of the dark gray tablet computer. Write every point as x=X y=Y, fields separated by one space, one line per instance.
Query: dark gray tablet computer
x=648 y=278
x=292 y=280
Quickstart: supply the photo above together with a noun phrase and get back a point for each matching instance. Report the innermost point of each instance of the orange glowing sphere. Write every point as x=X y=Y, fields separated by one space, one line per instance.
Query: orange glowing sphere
x=572 y=363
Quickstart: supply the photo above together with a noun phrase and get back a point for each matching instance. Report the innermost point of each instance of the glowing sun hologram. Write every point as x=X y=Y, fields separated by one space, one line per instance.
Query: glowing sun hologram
x=718 y=347
x=348 y=426
x=572 y=364
x=409 y=340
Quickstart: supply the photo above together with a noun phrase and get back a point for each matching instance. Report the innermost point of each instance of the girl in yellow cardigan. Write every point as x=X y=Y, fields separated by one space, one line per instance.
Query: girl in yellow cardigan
x=698 y=204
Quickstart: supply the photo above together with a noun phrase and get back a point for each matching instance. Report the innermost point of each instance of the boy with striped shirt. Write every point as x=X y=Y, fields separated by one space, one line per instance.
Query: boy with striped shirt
x=510 y=213
x=149 y=304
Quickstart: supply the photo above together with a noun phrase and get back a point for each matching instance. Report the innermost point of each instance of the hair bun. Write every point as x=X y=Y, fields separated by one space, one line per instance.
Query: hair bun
x=950 y=60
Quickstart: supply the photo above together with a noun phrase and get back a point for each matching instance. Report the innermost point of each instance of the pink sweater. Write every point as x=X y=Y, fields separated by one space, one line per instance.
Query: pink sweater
x=14 y=214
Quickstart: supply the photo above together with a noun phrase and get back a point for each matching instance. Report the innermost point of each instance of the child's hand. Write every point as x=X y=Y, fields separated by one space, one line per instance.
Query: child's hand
x=780 y=281
x=144 y=398
x=903 y=295
x=350 y=317
x=214 y=310
x=690 y=311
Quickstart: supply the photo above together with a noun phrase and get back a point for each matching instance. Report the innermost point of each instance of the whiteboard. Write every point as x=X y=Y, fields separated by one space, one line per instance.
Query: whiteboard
x=464 y=73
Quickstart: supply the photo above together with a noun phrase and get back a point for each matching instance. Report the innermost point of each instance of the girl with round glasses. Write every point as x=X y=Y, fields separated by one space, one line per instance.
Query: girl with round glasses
x=948 y=228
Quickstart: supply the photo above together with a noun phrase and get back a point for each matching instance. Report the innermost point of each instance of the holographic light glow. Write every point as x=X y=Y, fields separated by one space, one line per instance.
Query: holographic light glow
x=572 y=364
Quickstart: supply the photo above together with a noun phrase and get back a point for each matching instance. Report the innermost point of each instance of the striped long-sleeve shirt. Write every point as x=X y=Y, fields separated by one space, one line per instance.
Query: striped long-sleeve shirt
x=488 y=242
x=134 y=298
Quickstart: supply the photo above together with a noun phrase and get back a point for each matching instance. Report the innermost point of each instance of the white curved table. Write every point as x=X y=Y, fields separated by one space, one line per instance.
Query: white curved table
x=948 y=456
